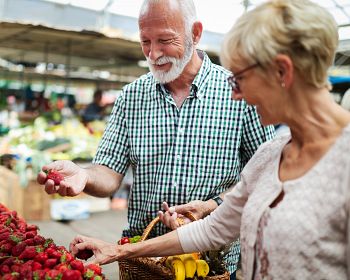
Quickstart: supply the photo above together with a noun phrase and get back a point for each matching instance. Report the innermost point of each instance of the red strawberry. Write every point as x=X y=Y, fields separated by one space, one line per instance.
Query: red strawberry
x=29 y=242
x=62 y=267
x=54 y=176
x=39 y=275
x=36 y=266
x=50 y=263
x=30 y=234
x=41 y=257
x=77 y=265
x=4 y=269
x=54 y=274
x=72 y=275
x=28 y=253
x=10 y=276
x=39 y=240
x=95 y=268
x=18 y=249
x=84 y=254
x=53 y=253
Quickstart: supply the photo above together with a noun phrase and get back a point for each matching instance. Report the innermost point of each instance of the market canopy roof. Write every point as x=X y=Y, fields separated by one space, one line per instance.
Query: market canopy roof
x=94 y=44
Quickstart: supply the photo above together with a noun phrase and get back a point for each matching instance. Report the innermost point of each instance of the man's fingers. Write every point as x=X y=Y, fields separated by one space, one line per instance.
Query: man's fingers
x=165 y=206
x=41 y=178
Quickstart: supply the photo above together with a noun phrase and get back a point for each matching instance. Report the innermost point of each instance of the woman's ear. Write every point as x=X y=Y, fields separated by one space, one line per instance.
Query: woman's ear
x=197 y=30
x=285 y=70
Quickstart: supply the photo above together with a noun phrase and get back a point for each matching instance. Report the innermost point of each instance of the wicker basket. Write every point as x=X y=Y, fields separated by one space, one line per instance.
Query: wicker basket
x=153 y=268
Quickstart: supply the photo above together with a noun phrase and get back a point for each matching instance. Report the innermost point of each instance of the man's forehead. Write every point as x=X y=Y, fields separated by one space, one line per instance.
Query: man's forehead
x=161 y=22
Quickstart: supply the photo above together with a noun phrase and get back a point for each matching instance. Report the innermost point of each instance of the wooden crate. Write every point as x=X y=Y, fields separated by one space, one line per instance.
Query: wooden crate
x=11 y=193
x=36 y=202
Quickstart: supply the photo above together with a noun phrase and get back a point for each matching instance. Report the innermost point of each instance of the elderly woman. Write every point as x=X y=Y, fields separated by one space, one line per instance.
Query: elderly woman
x=291 y=207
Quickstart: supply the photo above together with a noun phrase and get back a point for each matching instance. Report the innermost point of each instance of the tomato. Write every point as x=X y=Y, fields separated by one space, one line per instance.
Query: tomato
x=124 y=240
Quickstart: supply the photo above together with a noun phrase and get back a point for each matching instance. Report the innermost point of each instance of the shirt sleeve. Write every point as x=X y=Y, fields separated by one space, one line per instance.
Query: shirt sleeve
x=254 y=134
x=113 y=150
x=221 y=227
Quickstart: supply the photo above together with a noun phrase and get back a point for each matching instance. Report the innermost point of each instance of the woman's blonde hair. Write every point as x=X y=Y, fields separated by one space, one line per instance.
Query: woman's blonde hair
x=301 y=29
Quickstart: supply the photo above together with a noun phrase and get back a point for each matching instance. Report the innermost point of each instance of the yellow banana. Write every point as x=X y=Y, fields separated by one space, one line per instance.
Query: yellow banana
x=168 y=262
x=202 y=268
x=178 y=268
x=190 y=265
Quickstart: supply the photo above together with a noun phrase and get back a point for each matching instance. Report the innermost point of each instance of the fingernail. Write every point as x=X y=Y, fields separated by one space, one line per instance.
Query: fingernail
x=172 y=209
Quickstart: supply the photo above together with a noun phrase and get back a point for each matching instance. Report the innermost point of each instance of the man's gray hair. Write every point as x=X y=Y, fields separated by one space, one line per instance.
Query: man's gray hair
x=187 y=9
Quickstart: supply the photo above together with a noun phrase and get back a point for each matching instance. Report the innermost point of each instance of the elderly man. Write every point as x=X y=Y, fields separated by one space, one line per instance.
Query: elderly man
x=177 y=126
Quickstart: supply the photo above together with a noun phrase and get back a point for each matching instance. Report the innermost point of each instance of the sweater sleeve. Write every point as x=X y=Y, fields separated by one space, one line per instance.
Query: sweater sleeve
x=221 y=227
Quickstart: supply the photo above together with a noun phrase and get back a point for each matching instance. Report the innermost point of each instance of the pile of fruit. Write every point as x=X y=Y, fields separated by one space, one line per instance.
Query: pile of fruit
x=24 y=254
x=187 y=266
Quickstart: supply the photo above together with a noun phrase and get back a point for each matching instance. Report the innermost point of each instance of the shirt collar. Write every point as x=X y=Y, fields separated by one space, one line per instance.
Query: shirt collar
x=198 y=81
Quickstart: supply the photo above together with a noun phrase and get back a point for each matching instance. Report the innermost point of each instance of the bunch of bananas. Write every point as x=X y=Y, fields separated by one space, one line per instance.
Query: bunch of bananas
x=187 y=266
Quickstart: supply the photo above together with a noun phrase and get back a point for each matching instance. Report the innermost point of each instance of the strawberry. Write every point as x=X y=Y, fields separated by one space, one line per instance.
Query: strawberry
x=62 y=267
x=53 y=274
x=53 y=253
x=77 y=265
x=72 y=275
x=30 y=234
x=54 y=176
x=36 y=266
x=32 y=228
x=28 y=253
x=95 y=268
x=29 y=242
x=11 y=276
x=4 y=269
x=39 y=275
x=39 y=240
x=50 y=263
x=18 y=249
x=41 y=257
x=84 y=254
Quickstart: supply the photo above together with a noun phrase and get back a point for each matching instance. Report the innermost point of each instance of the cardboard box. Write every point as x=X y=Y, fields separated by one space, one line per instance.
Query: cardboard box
x=11 y=193
x=36 y=202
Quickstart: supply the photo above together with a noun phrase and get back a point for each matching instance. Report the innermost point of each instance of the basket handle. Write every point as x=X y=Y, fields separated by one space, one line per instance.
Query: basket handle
x=156 y=220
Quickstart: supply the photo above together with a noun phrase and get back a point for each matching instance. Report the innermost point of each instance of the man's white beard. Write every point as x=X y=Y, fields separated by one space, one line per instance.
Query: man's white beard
x=178 y=65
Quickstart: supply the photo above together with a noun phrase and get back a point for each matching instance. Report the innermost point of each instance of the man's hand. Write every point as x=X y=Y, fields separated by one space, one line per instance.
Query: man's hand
x=198 y=208
x=74 y=178
x=104 y=252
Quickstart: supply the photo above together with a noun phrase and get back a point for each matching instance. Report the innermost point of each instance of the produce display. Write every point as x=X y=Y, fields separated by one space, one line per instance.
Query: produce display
x=24 y=254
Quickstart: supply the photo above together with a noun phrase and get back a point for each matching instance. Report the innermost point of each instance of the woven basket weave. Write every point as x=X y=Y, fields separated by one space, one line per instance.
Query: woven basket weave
x=153 y=268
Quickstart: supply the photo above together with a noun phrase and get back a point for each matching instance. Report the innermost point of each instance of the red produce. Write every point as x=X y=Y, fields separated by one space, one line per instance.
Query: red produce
x=84 y=254
x=95 y=268
x=77 y=265
x=72 y=275
x=28 y=253
x=55 y=176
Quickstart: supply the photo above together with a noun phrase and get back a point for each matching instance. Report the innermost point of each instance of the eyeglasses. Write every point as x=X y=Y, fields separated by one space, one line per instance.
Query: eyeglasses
x=232 y=80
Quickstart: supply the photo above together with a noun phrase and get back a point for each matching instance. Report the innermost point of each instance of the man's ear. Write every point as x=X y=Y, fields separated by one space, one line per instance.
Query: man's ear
x=285 y=70
x=197 y=30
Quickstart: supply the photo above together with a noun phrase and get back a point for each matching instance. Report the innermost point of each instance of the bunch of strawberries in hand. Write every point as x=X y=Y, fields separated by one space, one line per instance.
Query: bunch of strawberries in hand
x=24 y=254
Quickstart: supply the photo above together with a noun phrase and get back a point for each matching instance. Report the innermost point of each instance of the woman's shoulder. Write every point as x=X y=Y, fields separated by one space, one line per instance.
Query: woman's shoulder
x=265 y=156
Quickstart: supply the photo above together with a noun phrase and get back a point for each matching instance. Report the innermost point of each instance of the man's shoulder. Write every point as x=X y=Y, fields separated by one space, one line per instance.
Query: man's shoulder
x=220 y=70
x=145 y=81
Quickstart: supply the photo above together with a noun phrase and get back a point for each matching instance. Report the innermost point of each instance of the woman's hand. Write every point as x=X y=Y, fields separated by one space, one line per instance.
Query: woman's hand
x=104 y=252
x=198 y=208
x=74 y=178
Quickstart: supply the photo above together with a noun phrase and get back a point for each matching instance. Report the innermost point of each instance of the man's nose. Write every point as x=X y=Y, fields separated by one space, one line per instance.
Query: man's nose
x=155 y=52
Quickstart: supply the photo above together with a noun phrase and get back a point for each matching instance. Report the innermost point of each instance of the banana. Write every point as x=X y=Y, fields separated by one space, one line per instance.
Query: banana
x=202 y=268
x=190 y=265
x=168 y=262
x=178 y=268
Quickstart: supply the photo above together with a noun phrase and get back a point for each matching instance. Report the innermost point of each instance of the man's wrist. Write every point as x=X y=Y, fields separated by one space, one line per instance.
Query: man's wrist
x=218 y=200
